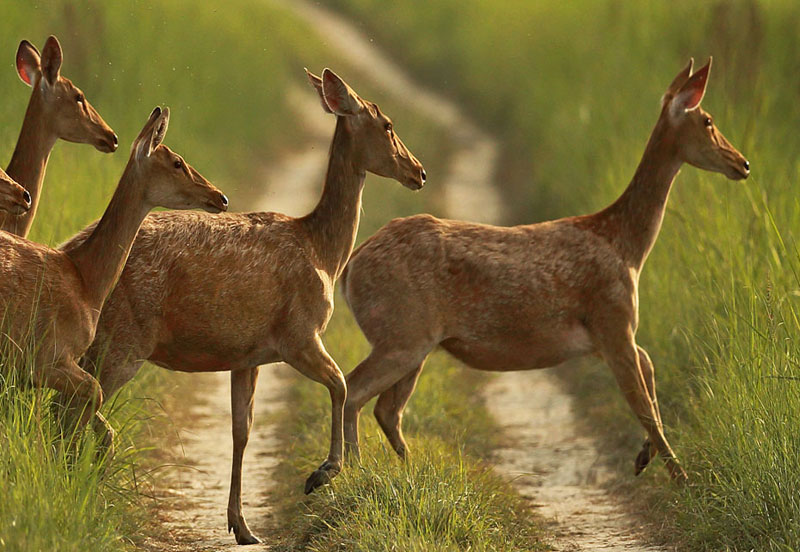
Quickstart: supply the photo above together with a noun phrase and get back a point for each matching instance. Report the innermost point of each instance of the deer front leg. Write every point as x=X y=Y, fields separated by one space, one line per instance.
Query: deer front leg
x=314 y=362
x=624 y=360
x=243 y=388
x=80 y=394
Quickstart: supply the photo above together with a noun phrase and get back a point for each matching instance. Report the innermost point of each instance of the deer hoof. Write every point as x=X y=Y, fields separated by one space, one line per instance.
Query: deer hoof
x=242 y=533
x=322 y=476
x=643 y=458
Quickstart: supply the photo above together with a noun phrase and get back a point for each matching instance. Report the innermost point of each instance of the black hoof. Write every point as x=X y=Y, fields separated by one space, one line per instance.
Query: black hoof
x=242 y=536
x=643 y=458
x=322 y=476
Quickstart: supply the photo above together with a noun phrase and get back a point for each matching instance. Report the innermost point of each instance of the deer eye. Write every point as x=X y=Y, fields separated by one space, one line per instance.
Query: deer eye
x=178 y=164
x=388 y=127
x=79 y=98
x=708 y=121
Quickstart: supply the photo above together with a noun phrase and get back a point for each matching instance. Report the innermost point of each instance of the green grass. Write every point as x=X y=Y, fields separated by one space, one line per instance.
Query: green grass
x=444 y=498
x=572 y=89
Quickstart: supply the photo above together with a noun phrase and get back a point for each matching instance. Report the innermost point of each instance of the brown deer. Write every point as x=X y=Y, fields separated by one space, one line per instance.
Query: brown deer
x=530 y=296
x=52 y=299
x=14 y=198
x=231 y=293
x=57 y=109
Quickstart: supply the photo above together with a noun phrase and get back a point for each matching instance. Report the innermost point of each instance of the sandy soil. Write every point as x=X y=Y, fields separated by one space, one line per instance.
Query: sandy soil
x=550 y=462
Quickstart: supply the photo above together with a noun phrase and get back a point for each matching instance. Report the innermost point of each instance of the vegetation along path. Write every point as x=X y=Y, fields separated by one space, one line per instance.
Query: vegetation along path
x=552 y=464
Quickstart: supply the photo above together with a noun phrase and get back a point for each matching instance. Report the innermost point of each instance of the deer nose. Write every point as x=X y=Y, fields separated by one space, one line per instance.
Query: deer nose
x=746 y=166
x=224 y=200
x=114 y=139
x=424 y=176
x=26 y=196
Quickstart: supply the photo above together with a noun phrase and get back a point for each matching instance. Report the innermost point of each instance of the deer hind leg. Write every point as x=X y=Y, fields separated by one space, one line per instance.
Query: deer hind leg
x=624 y=362
x=314 y=362
x=243 y=388
x=648 y=373
x=380 y=371
x=389 y=410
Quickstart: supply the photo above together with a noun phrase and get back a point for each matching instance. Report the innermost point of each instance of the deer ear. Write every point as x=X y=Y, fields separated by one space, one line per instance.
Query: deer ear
x=679 y=80
x=152 y=133
x=52 y=57
x=316 y=82
x=159 y=130
x=691 y=93
x=28 y=62
x=341 y=99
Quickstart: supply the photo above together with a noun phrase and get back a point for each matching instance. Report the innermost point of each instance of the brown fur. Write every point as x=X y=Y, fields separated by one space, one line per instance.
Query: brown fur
x=240 y=290
x=54 y=297
x=53 y=113
x=530 y=296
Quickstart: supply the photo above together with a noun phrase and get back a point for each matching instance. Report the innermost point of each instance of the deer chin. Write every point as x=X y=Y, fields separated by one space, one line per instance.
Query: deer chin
x=413 y=184
x=105 y=146
x=213 y=208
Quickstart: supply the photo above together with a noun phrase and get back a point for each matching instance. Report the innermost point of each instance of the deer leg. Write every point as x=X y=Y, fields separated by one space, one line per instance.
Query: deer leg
x=648 y=373
x=77 y=389
x=243 y=388
x=389 y=410
x=377 y=373
x=314 y=362
x=624 y=362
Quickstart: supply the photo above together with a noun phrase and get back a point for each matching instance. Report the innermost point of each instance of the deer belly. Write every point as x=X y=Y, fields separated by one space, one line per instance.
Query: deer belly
x=535 y=350
x=185 y=360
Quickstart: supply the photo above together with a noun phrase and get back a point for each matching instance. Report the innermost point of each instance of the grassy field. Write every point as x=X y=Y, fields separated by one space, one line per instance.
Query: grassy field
x=226 y=89
x=573 y=90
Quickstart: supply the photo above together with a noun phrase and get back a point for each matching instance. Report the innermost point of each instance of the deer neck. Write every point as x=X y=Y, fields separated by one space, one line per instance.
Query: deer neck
x=101 y=258
x=333 y=223
x=633 y=222
x=29 y=162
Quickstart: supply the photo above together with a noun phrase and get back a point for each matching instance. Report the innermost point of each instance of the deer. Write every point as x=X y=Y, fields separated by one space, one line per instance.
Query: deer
x=233 y=292
x=14 y=198
x=531 y=296
x=51 y=300
x=57 y=110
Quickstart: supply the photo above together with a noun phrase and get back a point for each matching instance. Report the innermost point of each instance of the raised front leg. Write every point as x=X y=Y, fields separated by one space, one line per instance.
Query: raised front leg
x=624 y=360
x=314 y=362
x=243 y=388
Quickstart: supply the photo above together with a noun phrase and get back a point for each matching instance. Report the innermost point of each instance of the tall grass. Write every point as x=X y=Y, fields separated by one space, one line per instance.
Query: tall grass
x=573 y=89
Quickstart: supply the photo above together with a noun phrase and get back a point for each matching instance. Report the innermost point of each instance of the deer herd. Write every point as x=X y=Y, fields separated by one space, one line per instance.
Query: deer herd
x=212 y=291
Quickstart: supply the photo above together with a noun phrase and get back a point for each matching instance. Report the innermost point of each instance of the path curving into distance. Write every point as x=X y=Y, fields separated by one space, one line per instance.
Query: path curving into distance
x=552 y=463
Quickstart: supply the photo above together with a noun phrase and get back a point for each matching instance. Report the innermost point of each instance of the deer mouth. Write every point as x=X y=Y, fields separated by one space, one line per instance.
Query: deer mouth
x=217 y=204
x=107 y=144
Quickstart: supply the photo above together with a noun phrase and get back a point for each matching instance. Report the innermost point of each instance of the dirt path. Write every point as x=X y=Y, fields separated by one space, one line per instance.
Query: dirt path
x=192 y=508
x=553 y=463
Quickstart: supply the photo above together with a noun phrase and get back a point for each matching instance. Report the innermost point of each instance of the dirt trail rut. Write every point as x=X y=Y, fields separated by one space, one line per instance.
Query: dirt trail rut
x=553 y=463
x=192 y=508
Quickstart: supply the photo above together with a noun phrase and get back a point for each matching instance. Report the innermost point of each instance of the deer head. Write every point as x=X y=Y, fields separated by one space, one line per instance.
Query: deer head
x=13 y=198
x=381 y=150
x=697 y=138
x=65 y=109
x=170 y=181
